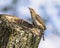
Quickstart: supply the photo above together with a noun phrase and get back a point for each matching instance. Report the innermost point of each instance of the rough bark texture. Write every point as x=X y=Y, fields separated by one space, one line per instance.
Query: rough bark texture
x=17 y=33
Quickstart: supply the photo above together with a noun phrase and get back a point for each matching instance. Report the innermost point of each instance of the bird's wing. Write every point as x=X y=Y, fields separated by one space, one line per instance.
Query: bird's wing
x=40 y=20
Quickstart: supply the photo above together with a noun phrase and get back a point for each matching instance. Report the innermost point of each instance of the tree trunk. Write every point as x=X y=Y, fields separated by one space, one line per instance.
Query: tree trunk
x=18 y=33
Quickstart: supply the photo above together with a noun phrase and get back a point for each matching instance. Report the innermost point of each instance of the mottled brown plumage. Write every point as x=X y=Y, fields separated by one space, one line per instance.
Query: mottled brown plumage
x=37 y=20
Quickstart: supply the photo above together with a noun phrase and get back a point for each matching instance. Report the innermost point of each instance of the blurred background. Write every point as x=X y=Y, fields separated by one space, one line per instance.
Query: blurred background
x=49 y=10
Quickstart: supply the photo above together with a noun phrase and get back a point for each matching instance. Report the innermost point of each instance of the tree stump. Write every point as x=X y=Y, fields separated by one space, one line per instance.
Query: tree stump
x=17 y=33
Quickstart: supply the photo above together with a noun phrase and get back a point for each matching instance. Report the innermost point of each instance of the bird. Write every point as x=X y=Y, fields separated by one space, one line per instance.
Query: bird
x=37 y=20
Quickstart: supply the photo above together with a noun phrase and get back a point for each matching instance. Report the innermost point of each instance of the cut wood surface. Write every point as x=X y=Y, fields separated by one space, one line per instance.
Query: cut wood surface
x=18 y=33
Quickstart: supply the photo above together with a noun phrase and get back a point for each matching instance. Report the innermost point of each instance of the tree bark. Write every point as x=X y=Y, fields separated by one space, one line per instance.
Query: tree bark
x=18 y=33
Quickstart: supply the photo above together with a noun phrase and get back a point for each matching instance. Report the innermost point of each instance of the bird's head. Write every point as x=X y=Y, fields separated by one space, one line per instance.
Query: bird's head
x=32 y=11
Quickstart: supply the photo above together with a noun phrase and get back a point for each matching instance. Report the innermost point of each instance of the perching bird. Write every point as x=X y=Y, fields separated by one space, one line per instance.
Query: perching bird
x=37 y=20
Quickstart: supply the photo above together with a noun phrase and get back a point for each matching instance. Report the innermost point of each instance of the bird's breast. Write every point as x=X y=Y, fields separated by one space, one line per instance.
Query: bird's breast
x=38 y=24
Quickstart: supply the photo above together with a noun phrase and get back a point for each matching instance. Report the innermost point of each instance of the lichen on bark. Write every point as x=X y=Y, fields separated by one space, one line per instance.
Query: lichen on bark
x=17 y=33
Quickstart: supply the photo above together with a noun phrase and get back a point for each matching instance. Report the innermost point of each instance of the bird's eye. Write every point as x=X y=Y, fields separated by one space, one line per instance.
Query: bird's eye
x=31 y=11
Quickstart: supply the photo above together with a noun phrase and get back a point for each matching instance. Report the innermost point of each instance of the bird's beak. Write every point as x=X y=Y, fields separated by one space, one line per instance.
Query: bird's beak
x=29 y=8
